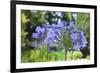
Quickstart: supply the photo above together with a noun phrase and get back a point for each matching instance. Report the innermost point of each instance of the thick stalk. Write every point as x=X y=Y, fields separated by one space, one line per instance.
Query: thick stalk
x=47 y=54
x=65 y=54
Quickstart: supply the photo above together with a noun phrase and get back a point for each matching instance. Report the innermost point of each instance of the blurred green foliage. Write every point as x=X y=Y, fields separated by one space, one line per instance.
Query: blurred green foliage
x=73 y=55
x=30 y=19
x=41 y=56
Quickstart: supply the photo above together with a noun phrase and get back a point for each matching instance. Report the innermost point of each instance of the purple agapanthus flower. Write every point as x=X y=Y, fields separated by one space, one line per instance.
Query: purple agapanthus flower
x=78 y=40
x=52 y=34
x=40 y=30
x=60 y=25
x=35 y=35
x=71 y=25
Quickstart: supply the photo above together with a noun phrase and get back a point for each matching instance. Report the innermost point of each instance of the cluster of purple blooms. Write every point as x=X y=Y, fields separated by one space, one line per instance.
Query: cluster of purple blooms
x=52 y=34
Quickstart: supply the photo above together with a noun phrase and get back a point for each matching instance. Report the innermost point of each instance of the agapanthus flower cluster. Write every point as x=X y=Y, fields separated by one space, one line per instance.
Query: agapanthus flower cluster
x=78 y=40
x=50 y=34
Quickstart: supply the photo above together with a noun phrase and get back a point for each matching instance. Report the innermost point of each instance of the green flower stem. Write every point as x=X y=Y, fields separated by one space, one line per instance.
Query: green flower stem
x=65 y=54
x=47 y=55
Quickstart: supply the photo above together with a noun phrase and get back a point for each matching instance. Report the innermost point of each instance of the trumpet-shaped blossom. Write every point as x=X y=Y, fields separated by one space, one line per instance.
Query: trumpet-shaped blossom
x=39 y=32
x=71 y=25
x=35 y=35
x=78 y=40
x=60 y=25
x=51 y=36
